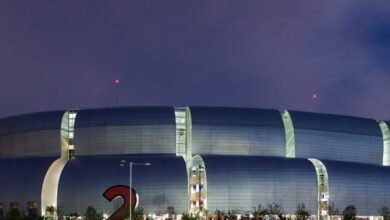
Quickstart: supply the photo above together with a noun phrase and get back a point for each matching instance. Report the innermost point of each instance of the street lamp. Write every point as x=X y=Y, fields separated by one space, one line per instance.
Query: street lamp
x=131 y=164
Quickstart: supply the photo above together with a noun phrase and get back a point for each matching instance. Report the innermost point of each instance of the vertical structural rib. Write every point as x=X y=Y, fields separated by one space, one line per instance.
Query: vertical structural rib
x=386 y=142
x=52 y=177
x=183 y=132
x=189 y=132
x=290 y=136
x=323 y=188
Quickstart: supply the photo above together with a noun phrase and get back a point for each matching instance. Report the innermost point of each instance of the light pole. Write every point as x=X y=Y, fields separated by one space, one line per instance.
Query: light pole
x=131 y=164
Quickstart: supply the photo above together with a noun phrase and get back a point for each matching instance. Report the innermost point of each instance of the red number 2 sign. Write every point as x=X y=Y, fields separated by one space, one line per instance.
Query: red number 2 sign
x=122 y=191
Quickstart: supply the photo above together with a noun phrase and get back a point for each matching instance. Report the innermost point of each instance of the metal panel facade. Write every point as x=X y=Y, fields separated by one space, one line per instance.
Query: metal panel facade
x=31 y=122
x=133 y=130
x=335 y=137
x=237 y=131
x=243 y=151
x=241 y=183
x=160 y=185
x=365 y=186
x=21 y=181
x=31 y=135
x=34 y=143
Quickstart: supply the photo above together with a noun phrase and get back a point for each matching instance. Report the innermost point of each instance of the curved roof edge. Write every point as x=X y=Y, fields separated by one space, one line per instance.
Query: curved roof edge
x=335 y=123
x=48 y=120
x=125 y=116
x=236 y=116
x=52 y=119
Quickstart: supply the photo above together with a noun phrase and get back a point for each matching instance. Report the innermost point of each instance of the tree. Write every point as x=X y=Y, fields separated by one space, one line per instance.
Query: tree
x=73 y=215
x=13 y=214
x=60 y=212
x=333 y=210
x=92 y=214
x=385 y=212
x=186 y=216
x=203 y=213
x=51 y=210
x=275 y=209
x=220 y=214
x=301 y=212
x=260 y=212
x=349 y=213
x=231 y=215
x=171 y=212
x=136 y=214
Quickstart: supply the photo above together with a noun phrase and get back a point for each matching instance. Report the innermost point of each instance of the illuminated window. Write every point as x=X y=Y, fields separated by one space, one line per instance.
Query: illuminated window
x=71 y=151
x=197 y=184
x=71 y=121
x=290 y=137
x=67 y=134
x=386 y=143
x=323 y=187
x=181 y=131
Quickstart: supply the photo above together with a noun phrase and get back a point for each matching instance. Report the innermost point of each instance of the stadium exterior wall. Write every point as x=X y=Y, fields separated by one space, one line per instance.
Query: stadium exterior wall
x=241 y=183
x=363 y=185
x=160 y=185
x=235 y=131
x=335 y=137
x=34 y=134
x=141 y=130
x=242 y=151
x=21 y=182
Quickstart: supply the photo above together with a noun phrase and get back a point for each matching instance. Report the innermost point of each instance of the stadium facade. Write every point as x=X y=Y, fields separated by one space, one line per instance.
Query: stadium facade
x=209 y=157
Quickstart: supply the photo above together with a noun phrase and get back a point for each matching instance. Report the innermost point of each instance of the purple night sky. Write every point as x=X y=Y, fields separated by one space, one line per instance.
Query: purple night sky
x=330 y=57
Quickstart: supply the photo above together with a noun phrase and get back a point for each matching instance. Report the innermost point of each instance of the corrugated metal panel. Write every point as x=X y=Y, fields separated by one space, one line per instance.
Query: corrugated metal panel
x=33 y=143
x=31 y=122
x=125 y=116
x=338 y=146
x=335 y=123
x=335 y=137
x=363 y=185
x=21 y=181
x=236 y=116
x=237 y=131
x=125 y=140
x=132 y=130
x=160 y=185
x=240 y=183
x=36 y=134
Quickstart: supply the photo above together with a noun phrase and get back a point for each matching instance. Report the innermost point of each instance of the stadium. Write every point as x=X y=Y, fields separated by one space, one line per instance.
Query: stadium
x=215 y=158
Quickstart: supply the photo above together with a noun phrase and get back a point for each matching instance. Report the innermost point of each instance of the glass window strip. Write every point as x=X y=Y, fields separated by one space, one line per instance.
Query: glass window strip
x=386 y=142
x=289 y=132
x=181 y=131
x=323 y=188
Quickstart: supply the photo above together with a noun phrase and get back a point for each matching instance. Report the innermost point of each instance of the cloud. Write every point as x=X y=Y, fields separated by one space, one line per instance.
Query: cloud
x=272 y=54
